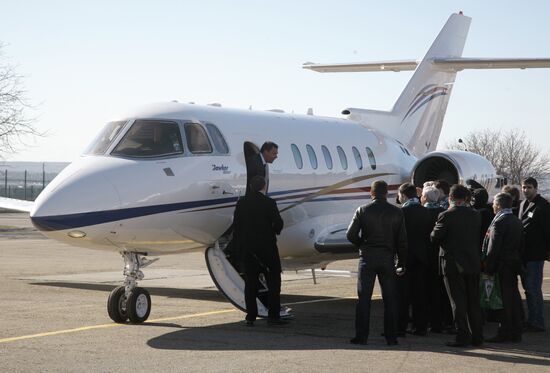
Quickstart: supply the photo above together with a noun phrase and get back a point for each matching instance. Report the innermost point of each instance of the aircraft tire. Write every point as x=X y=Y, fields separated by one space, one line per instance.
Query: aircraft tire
x=116 y=305
x=138 y=305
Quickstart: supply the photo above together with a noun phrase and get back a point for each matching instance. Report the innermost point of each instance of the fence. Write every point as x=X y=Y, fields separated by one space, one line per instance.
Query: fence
x=24 y=184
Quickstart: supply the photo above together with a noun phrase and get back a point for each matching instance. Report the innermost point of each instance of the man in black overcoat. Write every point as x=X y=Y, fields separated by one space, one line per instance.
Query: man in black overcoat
x=502 y=255
x=414 y=284
x=457 y=232
x=256 y=225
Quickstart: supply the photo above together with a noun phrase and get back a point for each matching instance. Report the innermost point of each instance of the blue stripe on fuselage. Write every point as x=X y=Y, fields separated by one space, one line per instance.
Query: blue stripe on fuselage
x=69 y=221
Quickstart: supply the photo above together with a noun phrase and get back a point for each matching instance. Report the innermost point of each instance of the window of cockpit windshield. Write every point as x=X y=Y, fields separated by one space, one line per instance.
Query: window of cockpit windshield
x=217 y=138
x=150 y=138
x=105 y=138
x=197 y=140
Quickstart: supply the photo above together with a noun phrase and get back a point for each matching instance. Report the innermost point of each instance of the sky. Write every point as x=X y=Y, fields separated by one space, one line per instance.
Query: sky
x=84 y=62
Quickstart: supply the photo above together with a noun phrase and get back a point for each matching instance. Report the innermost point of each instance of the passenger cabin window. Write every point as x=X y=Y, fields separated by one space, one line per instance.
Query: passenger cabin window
x=297 y=156
x=372 y=160
x=312 y=156
x=217 y=138
x=342 y=156
x=357 y=156
x=328 y=157
x=150 y=138
x=197 y=141
x=105 y=138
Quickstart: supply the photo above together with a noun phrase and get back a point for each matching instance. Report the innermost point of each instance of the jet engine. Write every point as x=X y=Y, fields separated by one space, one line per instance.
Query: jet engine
x=454 y=166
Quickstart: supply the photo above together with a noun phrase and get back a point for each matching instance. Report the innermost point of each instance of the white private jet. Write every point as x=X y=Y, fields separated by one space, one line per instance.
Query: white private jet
x=164 y=179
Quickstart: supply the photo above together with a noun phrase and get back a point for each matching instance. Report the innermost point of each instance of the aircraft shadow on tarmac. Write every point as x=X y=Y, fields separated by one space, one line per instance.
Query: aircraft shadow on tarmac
x=212 y=294
x=328 y=326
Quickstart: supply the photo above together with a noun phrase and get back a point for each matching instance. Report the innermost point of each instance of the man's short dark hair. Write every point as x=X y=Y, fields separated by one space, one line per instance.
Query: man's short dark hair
x=268 y=145
x=443 y=185
x=513 y=191
x=459 y=192
x=379 y=188
x=504 y=200
x=530 y=181
x=480 y=197
x=408 y=190
x=257 y=183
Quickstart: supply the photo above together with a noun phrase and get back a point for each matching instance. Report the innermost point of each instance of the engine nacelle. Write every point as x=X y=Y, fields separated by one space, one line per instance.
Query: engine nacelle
x=454 y=166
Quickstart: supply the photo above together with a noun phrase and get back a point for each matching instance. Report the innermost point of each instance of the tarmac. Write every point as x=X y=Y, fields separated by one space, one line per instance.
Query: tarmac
x=53 y=318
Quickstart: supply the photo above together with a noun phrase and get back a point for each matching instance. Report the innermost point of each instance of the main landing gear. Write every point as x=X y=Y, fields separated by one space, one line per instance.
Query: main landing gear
x=130 y=302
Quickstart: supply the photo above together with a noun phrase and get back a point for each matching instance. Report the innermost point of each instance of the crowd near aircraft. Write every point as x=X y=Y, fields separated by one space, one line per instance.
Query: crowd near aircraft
x=164 y=179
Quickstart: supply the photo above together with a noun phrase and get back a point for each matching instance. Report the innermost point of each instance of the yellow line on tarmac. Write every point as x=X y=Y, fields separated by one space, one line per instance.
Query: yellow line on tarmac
x=47 y=334
x=105 y=326
x=113 y=325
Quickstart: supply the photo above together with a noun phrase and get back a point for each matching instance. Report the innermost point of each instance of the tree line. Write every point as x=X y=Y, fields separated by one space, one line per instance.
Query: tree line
x=511 y=152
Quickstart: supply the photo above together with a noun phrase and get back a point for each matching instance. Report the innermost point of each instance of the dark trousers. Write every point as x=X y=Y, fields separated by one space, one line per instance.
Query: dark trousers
x=440 y=312
x=418 y=280
x=273 y=280
x=413 y=295
x=510 y=316
x=403 y=302
x=463 y=290
x=371 y=264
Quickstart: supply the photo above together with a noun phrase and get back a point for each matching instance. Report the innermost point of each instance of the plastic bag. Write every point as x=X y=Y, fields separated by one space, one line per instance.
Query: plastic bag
x=489 y=292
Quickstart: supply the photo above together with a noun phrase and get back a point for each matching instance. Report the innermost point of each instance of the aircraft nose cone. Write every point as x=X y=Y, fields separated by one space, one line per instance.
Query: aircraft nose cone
x=77 y=199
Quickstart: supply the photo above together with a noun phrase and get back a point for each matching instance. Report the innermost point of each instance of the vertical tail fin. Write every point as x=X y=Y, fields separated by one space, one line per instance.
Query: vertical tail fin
x=417 y=116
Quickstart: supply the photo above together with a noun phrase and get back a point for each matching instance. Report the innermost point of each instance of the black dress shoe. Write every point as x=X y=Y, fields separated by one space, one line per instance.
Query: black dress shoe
x=249 y=323
x=533 y=329
x=498 y=339
x=392 y=342
x=277 y=322
x=398 y=334
x=456 y=344
x=358 y=341
x=450 y=330
x=417 y=331
x=477 y=342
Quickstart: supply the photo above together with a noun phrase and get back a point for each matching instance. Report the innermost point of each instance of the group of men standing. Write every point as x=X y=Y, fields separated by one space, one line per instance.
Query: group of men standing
x=397 y=246
x=431 y=240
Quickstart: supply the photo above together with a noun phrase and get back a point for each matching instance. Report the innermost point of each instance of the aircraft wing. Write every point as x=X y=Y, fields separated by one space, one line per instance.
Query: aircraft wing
x=15 y=204
x=443 y=63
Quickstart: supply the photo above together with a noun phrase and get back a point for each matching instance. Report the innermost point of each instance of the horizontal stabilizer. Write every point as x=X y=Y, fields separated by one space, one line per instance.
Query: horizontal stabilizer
x=457 y=64
x=405 y=65
x=15 y=204
x=439 y=63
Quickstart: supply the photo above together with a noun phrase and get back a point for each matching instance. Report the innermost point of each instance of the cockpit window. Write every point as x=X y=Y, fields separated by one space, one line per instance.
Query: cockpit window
x=150 y=138
x=105 y=138
x=217 y=139
x=197 y=140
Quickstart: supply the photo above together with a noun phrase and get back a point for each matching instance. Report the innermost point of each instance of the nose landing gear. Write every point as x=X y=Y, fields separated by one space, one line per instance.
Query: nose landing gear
x=130 y=302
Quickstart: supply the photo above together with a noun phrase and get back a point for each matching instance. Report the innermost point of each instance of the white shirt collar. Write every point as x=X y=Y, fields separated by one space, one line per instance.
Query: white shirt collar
x=262 y=158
